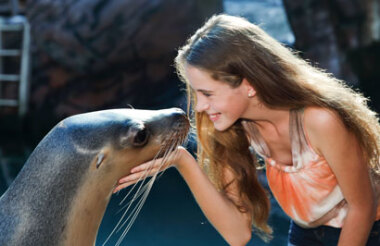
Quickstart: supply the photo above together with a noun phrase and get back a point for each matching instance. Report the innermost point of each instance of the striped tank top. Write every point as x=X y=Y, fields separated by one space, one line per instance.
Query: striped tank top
x=307 y=190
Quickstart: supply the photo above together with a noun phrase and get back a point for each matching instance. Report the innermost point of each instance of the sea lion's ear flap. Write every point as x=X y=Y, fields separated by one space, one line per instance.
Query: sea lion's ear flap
x=99 y=159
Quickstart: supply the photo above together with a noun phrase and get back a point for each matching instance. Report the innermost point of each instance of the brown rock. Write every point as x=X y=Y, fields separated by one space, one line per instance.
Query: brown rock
x=93 y=54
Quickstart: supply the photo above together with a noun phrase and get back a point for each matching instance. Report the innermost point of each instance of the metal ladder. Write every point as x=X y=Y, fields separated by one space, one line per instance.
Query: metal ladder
x=15 y=23
x=12 y=22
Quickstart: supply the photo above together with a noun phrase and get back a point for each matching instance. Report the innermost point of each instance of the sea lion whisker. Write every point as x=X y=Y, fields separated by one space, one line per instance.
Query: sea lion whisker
x=139 y=207
x=138 y=194
x=131 y=213
x=165 y=157
x=142 y=191
x=120 y=223
x=124 y=214
x=161 y=173
x=117 y=226
x=142 y=177
x=130 y=191
x=173 y=145
x=170 y=144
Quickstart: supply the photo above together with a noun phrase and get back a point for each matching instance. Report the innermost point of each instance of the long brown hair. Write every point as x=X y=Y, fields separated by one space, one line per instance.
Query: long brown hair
x=230 y=49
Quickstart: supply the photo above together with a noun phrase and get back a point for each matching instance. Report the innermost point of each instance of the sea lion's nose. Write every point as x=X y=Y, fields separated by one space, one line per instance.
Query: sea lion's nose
x=179 y=113
x=172 y=113
x=168 y=119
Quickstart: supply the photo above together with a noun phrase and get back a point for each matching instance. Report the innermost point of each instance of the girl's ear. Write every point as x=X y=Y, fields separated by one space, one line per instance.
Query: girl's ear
x=250 y=90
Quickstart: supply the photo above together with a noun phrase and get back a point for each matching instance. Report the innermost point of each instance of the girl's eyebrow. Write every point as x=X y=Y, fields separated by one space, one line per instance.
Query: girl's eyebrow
x=204 y=91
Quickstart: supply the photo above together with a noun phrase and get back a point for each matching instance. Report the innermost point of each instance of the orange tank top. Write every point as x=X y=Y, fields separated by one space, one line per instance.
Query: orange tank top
x=308 y=190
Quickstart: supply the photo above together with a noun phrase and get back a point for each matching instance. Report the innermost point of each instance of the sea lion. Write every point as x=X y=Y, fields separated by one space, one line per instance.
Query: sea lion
x=60 y=195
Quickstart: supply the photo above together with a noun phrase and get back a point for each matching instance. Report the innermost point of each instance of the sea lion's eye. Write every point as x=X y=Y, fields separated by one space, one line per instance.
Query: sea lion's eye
x=141 y=137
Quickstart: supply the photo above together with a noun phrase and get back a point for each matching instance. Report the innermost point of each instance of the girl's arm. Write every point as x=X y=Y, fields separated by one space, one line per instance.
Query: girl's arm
x=233 y=225
x=329 y=136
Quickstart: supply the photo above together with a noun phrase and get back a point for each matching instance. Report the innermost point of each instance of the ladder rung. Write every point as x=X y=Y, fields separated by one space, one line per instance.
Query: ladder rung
x=8 y=102
x=10 y=52
x=11 y=27
x=9 y=77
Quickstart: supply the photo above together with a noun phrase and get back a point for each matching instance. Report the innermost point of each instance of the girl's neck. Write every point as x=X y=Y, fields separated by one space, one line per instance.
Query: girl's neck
x=268 y=118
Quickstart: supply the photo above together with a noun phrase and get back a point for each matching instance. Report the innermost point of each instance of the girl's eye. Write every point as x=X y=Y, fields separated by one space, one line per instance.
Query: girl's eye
x=206 y=94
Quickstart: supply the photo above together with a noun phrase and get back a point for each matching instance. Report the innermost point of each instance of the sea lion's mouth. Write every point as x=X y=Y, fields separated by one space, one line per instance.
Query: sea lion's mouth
x=177 y=136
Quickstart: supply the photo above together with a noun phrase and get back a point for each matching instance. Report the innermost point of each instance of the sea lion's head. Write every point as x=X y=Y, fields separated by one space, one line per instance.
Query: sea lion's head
x=120 y=139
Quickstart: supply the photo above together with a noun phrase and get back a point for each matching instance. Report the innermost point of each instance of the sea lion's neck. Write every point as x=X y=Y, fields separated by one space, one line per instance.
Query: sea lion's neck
x=43 y=192
x=87 y=210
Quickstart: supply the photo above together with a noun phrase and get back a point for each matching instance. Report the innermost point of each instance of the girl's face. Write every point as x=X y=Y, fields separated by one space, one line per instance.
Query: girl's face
x=223 y=104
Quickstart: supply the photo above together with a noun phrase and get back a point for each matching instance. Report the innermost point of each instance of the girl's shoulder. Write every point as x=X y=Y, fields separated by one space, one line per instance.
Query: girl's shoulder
x=322 y=124
x=321 y=119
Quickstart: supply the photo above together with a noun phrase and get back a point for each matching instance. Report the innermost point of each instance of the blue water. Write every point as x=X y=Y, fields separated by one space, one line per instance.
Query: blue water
x=171 y=217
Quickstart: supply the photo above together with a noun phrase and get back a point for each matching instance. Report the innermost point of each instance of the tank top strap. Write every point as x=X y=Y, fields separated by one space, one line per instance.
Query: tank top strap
x=301 y=150
x=257 y=142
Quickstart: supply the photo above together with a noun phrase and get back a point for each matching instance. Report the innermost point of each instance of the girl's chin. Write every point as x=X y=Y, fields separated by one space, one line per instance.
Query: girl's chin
x=219 y=127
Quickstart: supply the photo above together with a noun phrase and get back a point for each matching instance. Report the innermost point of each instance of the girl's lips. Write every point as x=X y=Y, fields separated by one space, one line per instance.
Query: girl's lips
x=214 y=117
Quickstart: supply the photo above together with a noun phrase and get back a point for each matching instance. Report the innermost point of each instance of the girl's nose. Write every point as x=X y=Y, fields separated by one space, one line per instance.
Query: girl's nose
x=201 y=106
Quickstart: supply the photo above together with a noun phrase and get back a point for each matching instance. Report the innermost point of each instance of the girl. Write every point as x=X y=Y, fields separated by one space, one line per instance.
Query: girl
x=319 y=140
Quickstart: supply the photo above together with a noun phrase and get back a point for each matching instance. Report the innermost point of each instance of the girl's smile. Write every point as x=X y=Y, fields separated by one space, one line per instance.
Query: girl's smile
x=214 y=117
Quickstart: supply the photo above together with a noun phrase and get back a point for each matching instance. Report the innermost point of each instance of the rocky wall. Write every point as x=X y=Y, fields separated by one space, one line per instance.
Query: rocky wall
x=97 y=54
